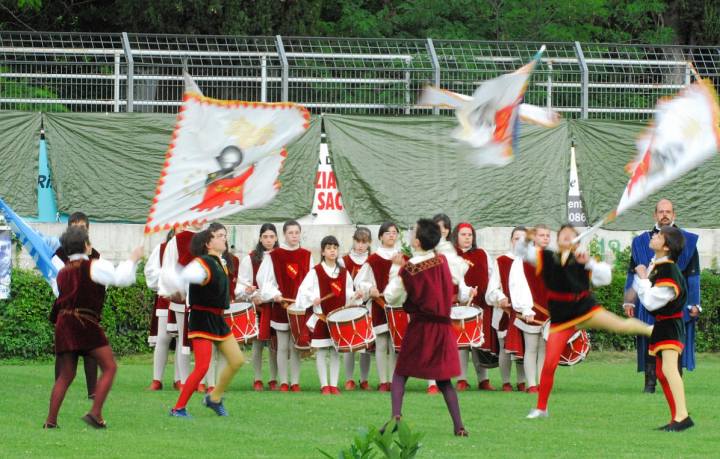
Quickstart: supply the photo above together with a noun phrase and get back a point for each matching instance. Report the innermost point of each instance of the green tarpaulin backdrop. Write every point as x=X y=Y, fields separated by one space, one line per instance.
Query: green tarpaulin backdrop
x=403 y=168
x=387 y=168
x=19 y=143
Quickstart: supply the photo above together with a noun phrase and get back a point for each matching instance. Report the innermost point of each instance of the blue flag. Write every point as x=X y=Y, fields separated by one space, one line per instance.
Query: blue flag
x=33 y=242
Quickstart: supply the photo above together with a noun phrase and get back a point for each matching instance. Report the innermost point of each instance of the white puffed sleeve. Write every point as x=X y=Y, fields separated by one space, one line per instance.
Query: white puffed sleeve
x=266 y=281
x=152 y=269
x=195 y=273
x=395 y=290
x=244 y=279
x=169 y=282
x=103 y=272
x=493 y=294
x=308 y=292
x=601 y=272
x=365 y=280
x=652 y=297
x=522 y=300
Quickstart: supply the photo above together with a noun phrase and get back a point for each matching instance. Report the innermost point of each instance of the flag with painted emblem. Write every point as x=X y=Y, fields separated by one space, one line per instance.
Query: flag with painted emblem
x=683 y=134
x=488 y=120
x=224 y=157
x=33 y=242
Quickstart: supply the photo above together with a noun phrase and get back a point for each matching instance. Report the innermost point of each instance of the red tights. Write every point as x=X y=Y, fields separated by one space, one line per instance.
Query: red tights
x=554 y=348
x=202 y=348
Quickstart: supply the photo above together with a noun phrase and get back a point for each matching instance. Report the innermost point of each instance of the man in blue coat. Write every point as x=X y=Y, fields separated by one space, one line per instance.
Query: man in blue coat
x=689 y=264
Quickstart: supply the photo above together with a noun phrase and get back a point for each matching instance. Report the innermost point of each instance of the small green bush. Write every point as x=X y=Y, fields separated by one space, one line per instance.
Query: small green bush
x=26 y=332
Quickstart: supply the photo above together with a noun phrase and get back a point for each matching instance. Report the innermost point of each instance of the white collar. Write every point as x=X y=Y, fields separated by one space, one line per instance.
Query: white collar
x=332 y=272
x=287 y=247
x=78 y=256
x=510 y=255
x=421 y=255
x=358 y=258
x=386 y=253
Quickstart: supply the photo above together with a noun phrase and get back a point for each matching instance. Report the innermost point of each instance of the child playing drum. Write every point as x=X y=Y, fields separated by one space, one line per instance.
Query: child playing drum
x=662 y=290
x=371 y=281
x=567 y=275
x=247 y=286
x=353 y=262
x=326 y=287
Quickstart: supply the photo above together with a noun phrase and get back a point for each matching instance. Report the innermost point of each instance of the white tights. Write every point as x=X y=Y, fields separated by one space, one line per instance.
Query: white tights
x=321 y=362
x=286 y=350
x=257 y=352
x=182 y=361
x=534 y=357
x=505 y=364
x=384 y=356
x=349 y=359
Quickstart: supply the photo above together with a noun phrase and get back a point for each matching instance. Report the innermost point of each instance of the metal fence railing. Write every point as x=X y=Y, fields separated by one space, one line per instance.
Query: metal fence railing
x=124 y=72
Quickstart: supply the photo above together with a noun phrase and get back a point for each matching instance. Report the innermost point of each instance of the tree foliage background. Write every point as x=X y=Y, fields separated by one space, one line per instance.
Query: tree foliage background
x=692 y=22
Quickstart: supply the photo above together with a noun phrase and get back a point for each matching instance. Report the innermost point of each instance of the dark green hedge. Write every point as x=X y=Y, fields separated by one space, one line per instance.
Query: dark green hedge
x=25 y=331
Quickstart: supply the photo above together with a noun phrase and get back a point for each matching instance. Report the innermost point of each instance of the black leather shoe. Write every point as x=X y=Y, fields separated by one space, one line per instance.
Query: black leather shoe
x=680 y=426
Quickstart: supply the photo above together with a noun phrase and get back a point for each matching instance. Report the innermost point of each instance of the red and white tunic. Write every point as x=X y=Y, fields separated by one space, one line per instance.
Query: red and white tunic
x=247 y=277
x=482 y=274
x=320 y=282
x=527 y=290
x=177 y=255
x=376 y=273
x=281 y=274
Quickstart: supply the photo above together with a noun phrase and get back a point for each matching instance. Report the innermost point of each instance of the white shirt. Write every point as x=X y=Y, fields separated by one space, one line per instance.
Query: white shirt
x=365 y=279
x=152 y=269
x=601 y=272
x=104 y=273
x=652 y=297
x=245 y=278
x=309 y=289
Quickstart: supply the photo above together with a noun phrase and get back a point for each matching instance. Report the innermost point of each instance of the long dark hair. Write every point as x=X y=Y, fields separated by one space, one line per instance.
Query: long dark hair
x=326 y=241
x=198 y=245
x=446 y=223
x=257 y=254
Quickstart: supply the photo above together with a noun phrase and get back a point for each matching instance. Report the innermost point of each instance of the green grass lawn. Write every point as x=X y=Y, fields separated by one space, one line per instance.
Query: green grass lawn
x=597 y=410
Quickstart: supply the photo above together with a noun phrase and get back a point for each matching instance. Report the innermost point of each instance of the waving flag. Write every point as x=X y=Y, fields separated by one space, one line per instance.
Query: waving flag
x=684 y=134
x=224 y=157
x=33 y=242
x=489 y=119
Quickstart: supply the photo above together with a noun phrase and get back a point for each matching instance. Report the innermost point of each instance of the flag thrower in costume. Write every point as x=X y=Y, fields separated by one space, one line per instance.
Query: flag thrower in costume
x=683 y=135
x=489 y=119
x=33 y=242
x=224 y=157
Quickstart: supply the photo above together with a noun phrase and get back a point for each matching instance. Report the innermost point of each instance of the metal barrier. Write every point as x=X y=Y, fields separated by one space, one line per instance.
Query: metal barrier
x=127 y=72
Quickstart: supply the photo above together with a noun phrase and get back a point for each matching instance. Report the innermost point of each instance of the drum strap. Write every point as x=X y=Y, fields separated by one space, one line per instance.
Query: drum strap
x=216 y=311
x=431 y=318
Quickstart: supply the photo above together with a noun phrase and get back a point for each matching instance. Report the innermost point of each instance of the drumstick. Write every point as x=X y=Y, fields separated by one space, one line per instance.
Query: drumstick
x=472 y=297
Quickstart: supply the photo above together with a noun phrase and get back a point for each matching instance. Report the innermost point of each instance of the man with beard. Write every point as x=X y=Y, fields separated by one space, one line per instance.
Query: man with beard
x=689 y=264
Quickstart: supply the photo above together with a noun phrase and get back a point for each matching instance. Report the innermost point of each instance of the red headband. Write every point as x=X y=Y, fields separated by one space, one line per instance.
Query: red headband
x=465 y=225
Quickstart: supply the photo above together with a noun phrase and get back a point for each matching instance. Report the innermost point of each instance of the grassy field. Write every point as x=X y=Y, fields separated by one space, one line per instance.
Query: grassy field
x=597 y=410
